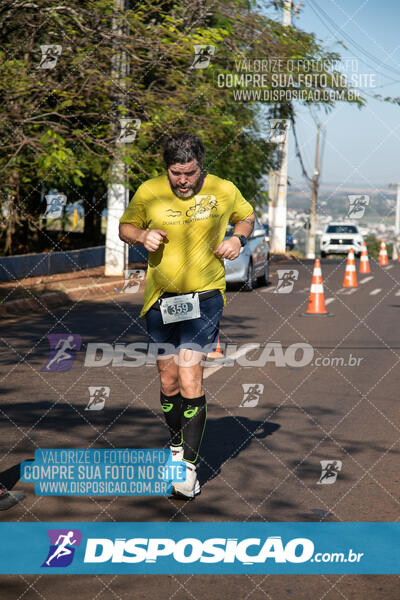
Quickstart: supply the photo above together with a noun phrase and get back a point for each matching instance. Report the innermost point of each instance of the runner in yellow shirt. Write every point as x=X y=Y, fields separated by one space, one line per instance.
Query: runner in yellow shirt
x=181 y=219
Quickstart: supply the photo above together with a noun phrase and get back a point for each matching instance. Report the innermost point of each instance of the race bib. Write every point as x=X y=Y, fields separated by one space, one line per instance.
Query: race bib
x=180 y=308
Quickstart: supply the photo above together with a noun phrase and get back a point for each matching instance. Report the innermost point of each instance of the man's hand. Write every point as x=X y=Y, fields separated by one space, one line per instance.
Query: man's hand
x=134 y=236
x=153 y=238
x=229 y=248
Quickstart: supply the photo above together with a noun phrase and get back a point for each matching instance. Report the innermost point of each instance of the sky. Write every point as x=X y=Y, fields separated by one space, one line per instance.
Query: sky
x=362 y=146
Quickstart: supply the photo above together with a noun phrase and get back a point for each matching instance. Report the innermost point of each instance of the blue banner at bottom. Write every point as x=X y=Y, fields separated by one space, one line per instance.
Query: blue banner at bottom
x=199 y=548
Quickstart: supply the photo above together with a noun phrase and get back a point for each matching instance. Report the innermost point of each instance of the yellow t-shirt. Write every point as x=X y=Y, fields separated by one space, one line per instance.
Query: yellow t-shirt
x=185 y=262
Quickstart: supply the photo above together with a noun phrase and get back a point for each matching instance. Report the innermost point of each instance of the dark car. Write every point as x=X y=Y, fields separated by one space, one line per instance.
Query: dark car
x=289 y=237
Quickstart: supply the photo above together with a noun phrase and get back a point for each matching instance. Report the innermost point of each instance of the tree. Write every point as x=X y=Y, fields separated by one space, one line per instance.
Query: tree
x=59 y=124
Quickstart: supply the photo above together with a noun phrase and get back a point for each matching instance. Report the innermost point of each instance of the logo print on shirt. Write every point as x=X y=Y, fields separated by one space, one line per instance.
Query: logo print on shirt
x=204 y=204
x=173 y=213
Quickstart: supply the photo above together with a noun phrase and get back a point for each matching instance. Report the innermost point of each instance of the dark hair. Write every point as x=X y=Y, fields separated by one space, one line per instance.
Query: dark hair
x=183 y=148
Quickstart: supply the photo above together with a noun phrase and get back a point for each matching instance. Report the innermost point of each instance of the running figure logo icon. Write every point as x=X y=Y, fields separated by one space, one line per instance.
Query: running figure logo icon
x=62 y=547
x=133 y=277
x=251 y=394
x=357 y=206
x=128 y=130
x=202 y=56
x=329 y=471
x=55 y=204
x=62 y=349
x=286 y=277
x=50 y=54
x=278 y=130
x=98 y=396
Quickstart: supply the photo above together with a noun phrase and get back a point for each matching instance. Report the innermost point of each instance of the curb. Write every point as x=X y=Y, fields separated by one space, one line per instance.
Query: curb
x=58 y=299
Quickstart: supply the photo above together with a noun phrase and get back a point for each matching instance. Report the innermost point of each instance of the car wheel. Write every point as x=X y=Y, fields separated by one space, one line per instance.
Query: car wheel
x=323 y=254
x=263 y=279
x=249 y=283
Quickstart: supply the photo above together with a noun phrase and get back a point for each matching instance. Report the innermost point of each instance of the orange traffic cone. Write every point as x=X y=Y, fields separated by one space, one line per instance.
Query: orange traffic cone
x=218 y=353
x=350 y=277
x=364 y=262
x=316 y=302
x=383 y=257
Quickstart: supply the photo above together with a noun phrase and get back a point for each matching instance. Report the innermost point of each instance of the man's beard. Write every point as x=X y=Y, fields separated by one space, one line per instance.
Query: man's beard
x=191 y=190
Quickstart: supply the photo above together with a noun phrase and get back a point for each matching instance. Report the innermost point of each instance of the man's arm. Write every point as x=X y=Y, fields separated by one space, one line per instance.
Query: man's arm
x=244 y=227
x=134 y=236
x=131 y=235
x=230 y=248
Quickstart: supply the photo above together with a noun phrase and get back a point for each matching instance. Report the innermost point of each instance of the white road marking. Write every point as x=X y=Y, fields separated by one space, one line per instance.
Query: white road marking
x=268 y=289
x=366 y=279
x=329 y=300
x=397 y=293
x=211 y=370
x=375 y=292
x=346 y=291
x=388 y=267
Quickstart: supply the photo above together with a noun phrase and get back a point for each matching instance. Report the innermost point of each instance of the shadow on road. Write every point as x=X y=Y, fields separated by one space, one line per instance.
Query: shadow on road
x=225 y=439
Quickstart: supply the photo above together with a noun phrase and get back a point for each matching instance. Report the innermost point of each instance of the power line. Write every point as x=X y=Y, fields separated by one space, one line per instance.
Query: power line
x=298 y=153
x=343 y=34
x=319 y=11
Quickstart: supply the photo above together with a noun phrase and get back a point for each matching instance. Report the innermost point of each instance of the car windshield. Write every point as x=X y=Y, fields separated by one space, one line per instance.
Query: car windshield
x=341 y=229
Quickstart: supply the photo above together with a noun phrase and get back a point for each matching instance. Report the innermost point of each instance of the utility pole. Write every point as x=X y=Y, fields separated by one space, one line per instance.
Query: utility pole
x=287 y=12
x=273 y=177
x=117 y=193
x=279 y=210
x=396 y=242
x=314 y=200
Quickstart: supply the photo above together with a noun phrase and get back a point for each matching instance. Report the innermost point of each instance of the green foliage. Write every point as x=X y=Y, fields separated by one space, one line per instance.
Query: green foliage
x=57 y=163
x=374 y=245
x=59 y=126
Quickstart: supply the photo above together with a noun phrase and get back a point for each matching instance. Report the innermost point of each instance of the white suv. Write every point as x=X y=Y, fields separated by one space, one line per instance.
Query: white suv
x=339 y=237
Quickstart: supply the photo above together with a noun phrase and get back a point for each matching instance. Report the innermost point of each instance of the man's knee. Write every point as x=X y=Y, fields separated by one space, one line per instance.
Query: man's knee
x=190 y=381
x=168 y=371
x=169 y=384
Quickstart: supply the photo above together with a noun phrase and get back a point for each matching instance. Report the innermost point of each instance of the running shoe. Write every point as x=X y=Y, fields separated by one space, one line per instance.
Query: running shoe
x=9 y=499
x=190 y=487
x=177 y=452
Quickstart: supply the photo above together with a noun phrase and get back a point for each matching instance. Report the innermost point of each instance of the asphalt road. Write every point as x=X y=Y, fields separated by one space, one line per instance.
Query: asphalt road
x=260 y=461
